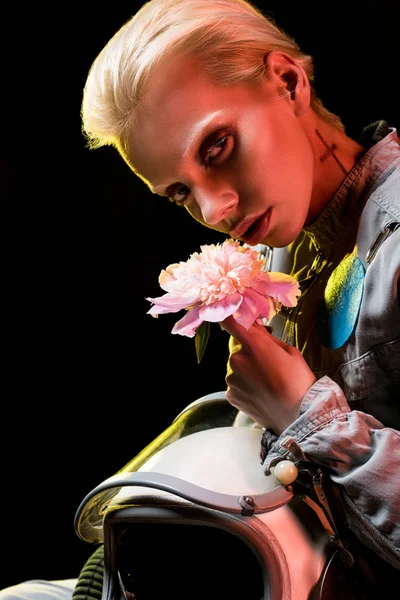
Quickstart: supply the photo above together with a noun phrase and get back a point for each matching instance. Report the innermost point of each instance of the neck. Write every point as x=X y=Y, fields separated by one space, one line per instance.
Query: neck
x=335 y=154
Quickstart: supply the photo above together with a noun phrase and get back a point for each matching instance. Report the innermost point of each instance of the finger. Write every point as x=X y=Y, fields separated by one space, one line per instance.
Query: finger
x=237 y=331
x=256 y=334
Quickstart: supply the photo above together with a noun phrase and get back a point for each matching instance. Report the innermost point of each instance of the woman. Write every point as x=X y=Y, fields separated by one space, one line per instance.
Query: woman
x=213 y=107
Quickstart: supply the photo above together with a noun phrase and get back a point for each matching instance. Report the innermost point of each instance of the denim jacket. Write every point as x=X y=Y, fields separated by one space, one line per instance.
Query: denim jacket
x=347 y=326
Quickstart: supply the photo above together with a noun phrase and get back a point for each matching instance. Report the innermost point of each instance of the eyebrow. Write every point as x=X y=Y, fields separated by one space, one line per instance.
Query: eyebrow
x=197 y=136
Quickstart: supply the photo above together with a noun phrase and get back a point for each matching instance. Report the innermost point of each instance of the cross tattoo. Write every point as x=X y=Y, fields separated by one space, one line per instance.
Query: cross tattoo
x=330 y=151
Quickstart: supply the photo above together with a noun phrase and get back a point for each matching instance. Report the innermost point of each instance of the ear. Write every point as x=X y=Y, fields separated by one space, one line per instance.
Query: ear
x=286 y=73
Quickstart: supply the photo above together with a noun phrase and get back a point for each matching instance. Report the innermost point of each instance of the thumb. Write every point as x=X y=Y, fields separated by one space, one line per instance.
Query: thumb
x=231 y=326
x=255 y=333
x=240 y=333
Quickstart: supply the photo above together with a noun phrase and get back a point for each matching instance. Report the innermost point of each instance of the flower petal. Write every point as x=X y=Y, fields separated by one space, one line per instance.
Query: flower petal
x=169 y=303
x=167 y=277
x=253 y=307
x=280 y=286
x=267 y=305
x=188 y=324
x=245 y=315
x=221 y=309
x=160 y=310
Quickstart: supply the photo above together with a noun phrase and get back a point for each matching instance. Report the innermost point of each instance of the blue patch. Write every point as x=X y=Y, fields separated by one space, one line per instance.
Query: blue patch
x=338 y=313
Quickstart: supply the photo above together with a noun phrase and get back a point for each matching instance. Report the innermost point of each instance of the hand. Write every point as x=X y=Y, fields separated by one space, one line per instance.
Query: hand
x=266 y=378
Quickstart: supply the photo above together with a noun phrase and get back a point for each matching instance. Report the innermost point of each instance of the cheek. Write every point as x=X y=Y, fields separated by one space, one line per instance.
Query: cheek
x=274 y=156
x=194 y=211
x=287 y=168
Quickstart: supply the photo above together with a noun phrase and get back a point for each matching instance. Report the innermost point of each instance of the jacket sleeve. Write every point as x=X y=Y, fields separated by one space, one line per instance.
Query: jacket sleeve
x=360 y=454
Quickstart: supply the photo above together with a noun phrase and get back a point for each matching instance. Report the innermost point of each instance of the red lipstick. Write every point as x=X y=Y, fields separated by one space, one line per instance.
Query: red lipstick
x=253 y=232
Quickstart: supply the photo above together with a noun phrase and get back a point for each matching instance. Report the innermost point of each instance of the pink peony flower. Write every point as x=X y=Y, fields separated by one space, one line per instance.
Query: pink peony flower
x=222 y=280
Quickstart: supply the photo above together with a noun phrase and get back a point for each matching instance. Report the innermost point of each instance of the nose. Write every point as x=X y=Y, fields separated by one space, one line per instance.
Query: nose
x=216 y=204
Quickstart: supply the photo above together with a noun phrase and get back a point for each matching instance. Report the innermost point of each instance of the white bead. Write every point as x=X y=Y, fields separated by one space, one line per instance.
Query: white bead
x=286 y=472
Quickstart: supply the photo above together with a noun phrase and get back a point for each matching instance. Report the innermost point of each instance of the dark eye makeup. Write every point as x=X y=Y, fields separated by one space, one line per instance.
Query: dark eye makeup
x=213 y=152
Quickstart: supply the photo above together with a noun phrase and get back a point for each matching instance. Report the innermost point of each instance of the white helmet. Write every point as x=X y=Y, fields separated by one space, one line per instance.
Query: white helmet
x=193 y=516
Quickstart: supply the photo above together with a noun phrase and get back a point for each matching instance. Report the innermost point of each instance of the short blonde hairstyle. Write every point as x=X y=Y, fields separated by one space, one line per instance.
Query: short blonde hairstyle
x=230 y=39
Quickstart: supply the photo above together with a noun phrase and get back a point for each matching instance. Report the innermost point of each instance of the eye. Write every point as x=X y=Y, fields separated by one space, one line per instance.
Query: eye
x=178 y=195
x=216 y=150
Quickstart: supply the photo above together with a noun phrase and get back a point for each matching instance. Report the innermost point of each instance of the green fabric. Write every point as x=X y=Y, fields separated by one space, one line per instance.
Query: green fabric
x=90 y=580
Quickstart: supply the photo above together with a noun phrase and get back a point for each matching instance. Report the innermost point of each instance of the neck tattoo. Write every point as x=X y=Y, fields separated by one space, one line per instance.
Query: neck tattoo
x=330 y=151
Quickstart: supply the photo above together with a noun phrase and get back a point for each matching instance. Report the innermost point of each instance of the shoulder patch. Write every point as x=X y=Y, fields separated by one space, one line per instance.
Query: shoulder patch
x=338 y=312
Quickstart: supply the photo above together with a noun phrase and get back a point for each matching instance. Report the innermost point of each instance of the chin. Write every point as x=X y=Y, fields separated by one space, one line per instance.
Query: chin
x=282 y=239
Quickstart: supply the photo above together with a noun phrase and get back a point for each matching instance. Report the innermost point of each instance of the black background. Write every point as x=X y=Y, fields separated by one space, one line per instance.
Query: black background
x=88 y=379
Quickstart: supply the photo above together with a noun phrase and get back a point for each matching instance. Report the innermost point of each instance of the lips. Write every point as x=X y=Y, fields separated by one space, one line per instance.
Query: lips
x=252 y=232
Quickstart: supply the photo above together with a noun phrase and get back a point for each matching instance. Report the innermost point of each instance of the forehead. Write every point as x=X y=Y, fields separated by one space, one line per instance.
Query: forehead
x=178 y=101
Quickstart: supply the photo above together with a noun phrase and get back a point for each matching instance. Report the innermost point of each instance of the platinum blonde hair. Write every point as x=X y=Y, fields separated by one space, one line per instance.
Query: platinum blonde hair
x=230 y=39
